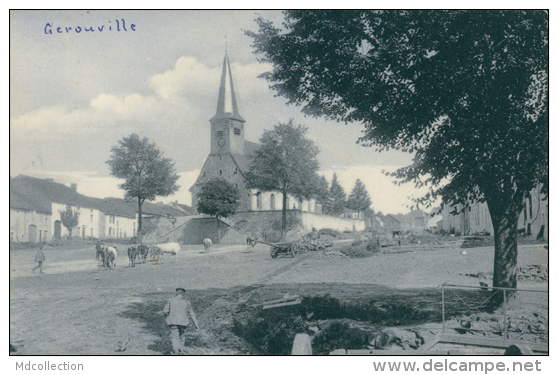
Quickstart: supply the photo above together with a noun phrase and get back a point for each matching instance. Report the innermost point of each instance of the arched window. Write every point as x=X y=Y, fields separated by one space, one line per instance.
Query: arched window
x=259 y=200
x=272 y=202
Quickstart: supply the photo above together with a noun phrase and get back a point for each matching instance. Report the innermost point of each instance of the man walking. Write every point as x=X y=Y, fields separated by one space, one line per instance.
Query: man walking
x=177 y=311
x=40 y=258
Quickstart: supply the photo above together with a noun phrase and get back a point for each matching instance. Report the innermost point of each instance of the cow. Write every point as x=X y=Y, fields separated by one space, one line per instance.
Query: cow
x=111 y=253
x=143 y=250
x=133 y=252
x=251 y=243
x=207 y=244
x=158 y=251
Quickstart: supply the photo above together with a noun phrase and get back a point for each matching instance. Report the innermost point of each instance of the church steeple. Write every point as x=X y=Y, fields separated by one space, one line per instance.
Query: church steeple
x=227 y=126
x=226 y=103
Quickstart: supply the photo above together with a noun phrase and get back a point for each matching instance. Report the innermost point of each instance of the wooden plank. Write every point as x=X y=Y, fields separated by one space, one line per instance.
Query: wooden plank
x=482 y=342
x=297 y=302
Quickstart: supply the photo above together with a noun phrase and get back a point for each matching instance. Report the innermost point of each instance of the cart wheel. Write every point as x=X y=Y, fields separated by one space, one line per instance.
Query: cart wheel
x=273 y=252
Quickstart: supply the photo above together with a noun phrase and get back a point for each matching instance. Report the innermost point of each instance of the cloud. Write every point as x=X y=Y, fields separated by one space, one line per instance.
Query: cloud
x=191 y=80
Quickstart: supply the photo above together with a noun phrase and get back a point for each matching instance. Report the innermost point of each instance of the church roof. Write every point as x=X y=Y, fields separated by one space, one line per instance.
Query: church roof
x=226 y=102
x=244 y=161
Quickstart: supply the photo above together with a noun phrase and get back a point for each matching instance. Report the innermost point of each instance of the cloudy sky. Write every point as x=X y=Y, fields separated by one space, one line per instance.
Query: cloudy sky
x=74 y=95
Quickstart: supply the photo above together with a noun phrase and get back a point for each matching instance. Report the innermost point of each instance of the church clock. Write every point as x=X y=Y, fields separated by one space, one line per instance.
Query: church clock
x=221 y=142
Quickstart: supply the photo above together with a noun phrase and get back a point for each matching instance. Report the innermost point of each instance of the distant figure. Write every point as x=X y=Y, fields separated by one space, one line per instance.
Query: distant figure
x=177 y=311
x=314 y=235
x=207 y=244
x=40 y=258
x=251 y=243
x=99 y=251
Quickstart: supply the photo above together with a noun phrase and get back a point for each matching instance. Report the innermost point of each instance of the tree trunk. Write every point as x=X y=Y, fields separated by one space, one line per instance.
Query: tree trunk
x=218 y=230
x=284 y=218
x=504 y=220
x=139 y=222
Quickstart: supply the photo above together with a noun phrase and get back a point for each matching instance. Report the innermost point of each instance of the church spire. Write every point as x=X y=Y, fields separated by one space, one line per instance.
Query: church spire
x=226 y=103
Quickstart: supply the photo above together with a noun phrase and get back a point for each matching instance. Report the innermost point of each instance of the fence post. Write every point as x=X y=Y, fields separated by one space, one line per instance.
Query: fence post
x=443 y=311
x=505 y=322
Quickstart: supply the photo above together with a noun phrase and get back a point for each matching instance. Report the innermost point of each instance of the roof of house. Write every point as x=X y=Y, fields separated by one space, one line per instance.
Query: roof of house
x=398 y=217
x=160 y=209
x=36 y=194
x=118 y=207
x=182 y=207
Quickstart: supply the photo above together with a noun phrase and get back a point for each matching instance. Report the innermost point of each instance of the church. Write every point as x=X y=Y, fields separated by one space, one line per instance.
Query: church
x=230 y=153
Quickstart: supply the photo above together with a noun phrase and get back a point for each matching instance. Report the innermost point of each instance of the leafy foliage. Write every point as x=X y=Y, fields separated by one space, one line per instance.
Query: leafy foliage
x=146 y=172
x=286 y=161
x=218 y=198
x=359 y=199
x=465 y=91
x=337 y=198
x=69 y=218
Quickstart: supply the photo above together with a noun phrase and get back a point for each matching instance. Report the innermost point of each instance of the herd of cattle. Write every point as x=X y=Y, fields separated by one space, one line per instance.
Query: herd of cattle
x=138 y=253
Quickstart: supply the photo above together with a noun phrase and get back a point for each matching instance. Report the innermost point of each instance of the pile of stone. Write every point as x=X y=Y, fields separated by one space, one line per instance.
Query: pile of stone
x=332 y=254
x=305 y=246
x=530 y=327
x=536 y=272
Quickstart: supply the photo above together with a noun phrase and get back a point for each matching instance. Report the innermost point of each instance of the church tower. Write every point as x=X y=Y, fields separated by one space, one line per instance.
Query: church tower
x=228 y=156
x=227 y=126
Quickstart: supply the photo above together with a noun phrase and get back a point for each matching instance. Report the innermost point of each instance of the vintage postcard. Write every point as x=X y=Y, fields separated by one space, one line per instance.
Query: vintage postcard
x=227 y=183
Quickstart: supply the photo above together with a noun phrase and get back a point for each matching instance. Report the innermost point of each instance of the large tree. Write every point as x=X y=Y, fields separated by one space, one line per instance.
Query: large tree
x=218 y=198
x=337 y=197
x=286 y=161
x=322 y=193
x=69 y=218
x=465 y=91
x=359 y=199
x=146 y=172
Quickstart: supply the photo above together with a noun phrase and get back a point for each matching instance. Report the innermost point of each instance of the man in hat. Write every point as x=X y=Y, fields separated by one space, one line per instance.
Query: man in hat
x=177 y=310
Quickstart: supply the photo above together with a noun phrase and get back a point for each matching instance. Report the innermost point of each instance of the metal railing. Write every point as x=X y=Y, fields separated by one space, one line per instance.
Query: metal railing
x=476 y=307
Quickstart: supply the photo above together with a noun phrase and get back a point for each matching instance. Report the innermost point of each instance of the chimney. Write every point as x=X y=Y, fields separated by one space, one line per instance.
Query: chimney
x=73 y=186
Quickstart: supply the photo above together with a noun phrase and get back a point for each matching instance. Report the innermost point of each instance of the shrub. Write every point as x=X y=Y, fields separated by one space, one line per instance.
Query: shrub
x=374 y=247
x=339 y=335
x=357 y=242
x=328 y=232
x=322 y=307
x=273 y=331
x=356 y=251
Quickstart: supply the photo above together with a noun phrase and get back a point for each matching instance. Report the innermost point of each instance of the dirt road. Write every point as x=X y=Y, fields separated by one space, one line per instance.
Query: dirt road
x=77 y=307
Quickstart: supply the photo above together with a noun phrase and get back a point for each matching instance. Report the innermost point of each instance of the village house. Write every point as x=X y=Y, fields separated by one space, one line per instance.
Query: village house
x=474 y=218
x=415 y=221
x=36 y=205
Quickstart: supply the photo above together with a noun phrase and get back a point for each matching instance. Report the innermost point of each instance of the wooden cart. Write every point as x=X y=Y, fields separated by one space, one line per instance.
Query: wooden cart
x=285 y=248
